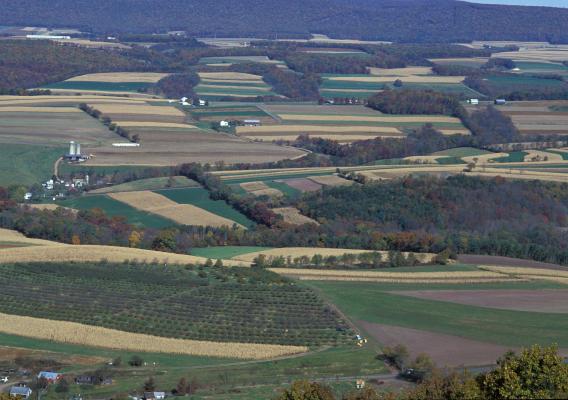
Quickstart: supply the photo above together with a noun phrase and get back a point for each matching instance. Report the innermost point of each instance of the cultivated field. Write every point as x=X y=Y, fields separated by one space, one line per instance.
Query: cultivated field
x=216 y=85
x=119 y=77
x=95 y=336
x=111 y=82
x=148 y=184
x=185 y=214
x=260 y=189
x=542 y=117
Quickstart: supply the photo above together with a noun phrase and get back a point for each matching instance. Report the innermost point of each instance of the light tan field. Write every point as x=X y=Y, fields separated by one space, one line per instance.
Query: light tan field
x=204 y=92
x=330 y=180
x=351 y=90
x=54 y=252
x=408 y=71
x=557 y=54
x=7 y=235
x=270 y=192
x=87 y=335
x=83 y=92
x=185 y=214
x=484 y=158
x=406 y=79
x=94 y=44
x=120 y=77
x=213 y=86
x=423 y=159
x=6 y=101
x=222 y=76
x=65 y=110
x=341 y=138
x=527 y=271
x=455 y=131
x=144 y=109
x=49 y=207
x=296 y=252
x=248 y=130
x=292 y=216
x=367 y=118
x=241 y=81
x=538 y=155
x=150 y=124
x=261 y=189
x=400 y=280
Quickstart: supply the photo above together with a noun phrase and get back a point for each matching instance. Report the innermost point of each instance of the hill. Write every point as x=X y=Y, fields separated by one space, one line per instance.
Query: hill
x=407 y=21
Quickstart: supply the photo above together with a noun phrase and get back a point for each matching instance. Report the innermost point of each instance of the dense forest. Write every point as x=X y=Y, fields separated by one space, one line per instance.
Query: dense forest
x=33 y=63
x=416 y=102
x=394 y=20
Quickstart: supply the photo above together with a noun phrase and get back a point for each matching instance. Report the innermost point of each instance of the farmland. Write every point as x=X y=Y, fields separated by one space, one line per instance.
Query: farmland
x=217 y=85
x=548 y=118
x=138 y=294
x=119 y=82
x=28 y=164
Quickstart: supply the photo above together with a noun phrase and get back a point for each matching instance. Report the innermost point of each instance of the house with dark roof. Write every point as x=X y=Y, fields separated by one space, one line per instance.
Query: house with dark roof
x=20 y=391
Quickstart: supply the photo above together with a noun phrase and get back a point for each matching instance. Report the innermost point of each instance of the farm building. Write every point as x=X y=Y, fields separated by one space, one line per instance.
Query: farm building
x=252 y=122
x=23 y=392
x=75 y=153
x=500 y=102
x=85 y=380
x=474 y=102
x=154 y=395
x=51 y=377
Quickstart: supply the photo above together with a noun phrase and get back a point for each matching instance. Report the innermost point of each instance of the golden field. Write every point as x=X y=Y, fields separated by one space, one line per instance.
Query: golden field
x=185 y=214
x=328 y=273
x=152 y=124
x=405 y=79
x=65 y=110
x=408 y=71
x=368 y=118
x=139 y=109
x=87 y=335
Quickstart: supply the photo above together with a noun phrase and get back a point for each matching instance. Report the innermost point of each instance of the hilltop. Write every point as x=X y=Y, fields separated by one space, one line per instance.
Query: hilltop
x=404 y=21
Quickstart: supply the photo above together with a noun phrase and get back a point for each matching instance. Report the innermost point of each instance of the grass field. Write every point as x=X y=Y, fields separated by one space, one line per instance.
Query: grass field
x=362 y=301
x=114 y=208
x=215 y=85
x=199 y=197
x=27 y=164
x=225 y=252
x=109 y=82
x=149 y=184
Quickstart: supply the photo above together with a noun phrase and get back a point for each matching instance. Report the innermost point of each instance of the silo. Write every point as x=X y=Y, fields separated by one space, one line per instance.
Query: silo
x=72 y=148
x=78 y=149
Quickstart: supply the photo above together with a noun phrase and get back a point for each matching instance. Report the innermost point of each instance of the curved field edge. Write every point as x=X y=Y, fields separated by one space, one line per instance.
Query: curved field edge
x=75 y=333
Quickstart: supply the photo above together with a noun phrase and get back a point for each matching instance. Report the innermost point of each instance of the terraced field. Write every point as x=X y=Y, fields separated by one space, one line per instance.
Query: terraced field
x=217 y=85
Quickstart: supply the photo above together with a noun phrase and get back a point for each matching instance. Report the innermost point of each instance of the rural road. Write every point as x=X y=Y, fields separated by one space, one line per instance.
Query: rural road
x=56 y=167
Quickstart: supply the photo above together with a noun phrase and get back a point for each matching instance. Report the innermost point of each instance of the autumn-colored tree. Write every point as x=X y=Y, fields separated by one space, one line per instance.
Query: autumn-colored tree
x=182 y=386
x=537 y=373
x=134 y=239
x=304 y=390
x=75 y=240
x=455 y=386
x=369 y=393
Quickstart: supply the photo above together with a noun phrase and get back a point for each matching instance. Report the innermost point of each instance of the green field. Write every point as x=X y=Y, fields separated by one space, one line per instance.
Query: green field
x=100 y=86
x=199 y=197
x=462 y=152
x=206 y=90
x=114 y=208
x=526 y=82
x=27 y=164
x=226 y=252
x=150 y=184
x=451 y=88
x=515 y=156
x=266 y=178
x=370 y=302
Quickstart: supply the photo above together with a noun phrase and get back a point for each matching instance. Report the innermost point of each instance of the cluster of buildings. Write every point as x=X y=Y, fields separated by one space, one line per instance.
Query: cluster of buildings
x=74 y=154
x=186 y=101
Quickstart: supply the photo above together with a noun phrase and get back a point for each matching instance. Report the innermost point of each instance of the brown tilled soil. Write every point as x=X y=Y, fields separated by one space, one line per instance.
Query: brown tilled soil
x=445 y=350
x=302 y=184
x=546 y=301
x=506 y=262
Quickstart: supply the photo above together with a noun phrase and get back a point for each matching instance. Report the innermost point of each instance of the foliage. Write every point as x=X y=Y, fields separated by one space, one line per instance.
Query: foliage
x=304 y=390
x=455 y=385
x=177 y=86
x=397 y=356
x=537 y=373
x=416 y=102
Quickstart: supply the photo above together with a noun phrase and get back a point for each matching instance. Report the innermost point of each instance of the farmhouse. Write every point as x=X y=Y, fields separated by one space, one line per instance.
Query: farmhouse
x=23 y=392
x=154 y=395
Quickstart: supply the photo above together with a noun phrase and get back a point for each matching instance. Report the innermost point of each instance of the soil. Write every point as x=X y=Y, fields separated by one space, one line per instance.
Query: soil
x=506 y=262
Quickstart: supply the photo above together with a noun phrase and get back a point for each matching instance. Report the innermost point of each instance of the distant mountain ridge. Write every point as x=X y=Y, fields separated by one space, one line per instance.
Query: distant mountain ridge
x=400 y=20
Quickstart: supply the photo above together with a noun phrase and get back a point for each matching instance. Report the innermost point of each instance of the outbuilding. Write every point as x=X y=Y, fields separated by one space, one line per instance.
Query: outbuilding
x=23 y=392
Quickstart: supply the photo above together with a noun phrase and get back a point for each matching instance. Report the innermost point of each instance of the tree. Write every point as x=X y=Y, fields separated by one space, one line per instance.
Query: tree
x=75 y=240
x=537 y=373
x=367 y=393
x=150 y=385
x=304 y=390
x=62 y=386
x=396 y=356
x=260 y=261
x=134 y=239
x=136 y=361
x=117 y=362
x=218 y=263
x=182 y=386
x=458 y=386
x=398 y=83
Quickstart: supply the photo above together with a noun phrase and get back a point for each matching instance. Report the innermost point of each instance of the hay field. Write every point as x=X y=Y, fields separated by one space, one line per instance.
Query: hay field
x=144 y=109
x=57 y=252
x=119 y=77
x=61 y=100
x=7 y=235
x=87 y=335
x=330 y=180
x=434 y=79
x=152 y=124
x=295 y=252
x=260 y=188
x=254 y=130
x=559 y=54
x=340 y=138
x=14 y=109
x=484 y=158
x=538 y=155
x=527 y=271
x=368 y=118
x=293 y=216
x=185 y=214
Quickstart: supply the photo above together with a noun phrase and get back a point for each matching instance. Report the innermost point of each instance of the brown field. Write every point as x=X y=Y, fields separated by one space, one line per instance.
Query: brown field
x=445 y=350
x=317 y=274
x=341 y=138
x=119 y=77
x=293 y=216
x=261 y=189
x=527 y=271
x=253 y=186
x=134 y=109
x=405 y=79
x=408 y=71
x=302 y=184
x=65 y=110
x=95 y=336
x=545 y=301
x=321 y=109
x=330 y=180
x=368 y=118
x=255 y=130
x=49 y=207
x=224 y=76
x=185 y=214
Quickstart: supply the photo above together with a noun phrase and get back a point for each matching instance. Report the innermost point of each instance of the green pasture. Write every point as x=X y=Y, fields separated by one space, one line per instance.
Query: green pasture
x=328 y=94
x=370 y=302
x=451 y=88
x=515 y=156
x=27 y=164
x=273 y=177
x=114 y=208
x=226 y=252
x=199 y=197
x=100 y=86
x=524 y=81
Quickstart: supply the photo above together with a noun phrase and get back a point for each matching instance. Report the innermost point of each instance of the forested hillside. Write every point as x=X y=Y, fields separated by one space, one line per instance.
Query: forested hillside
x=406 y=21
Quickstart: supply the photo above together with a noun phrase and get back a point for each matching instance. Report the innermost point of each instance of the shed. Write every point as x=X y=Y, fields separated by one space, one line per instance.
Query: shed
x=251 y=122
x=500 y=102
x=20 y=391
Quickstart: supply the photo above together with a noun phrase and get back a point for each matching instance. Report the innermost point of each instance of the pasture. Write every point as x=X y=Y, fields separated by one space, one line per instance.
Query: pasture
x=148 y=184
x=27 y=164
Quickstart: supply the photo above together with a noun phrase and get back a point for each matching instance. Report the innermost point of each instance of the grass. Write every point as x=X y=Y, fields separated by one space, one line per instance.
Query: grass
x=115 y=208
x=149 y=184
x=100 y=86
x=27 y=164
x=371 y=303
x=450 y=160
x=225 y=252
x=199 y=197
x=516 y=156
x=451 y=88
x=521 y=80
x=284 y=188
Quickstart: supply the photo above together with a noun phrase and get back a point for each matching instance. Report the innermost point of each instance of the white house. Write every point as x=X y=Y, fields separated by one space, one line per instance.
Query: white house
x=474 y=102
x=224 y=124
x=28 y=196
x=202 y=102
